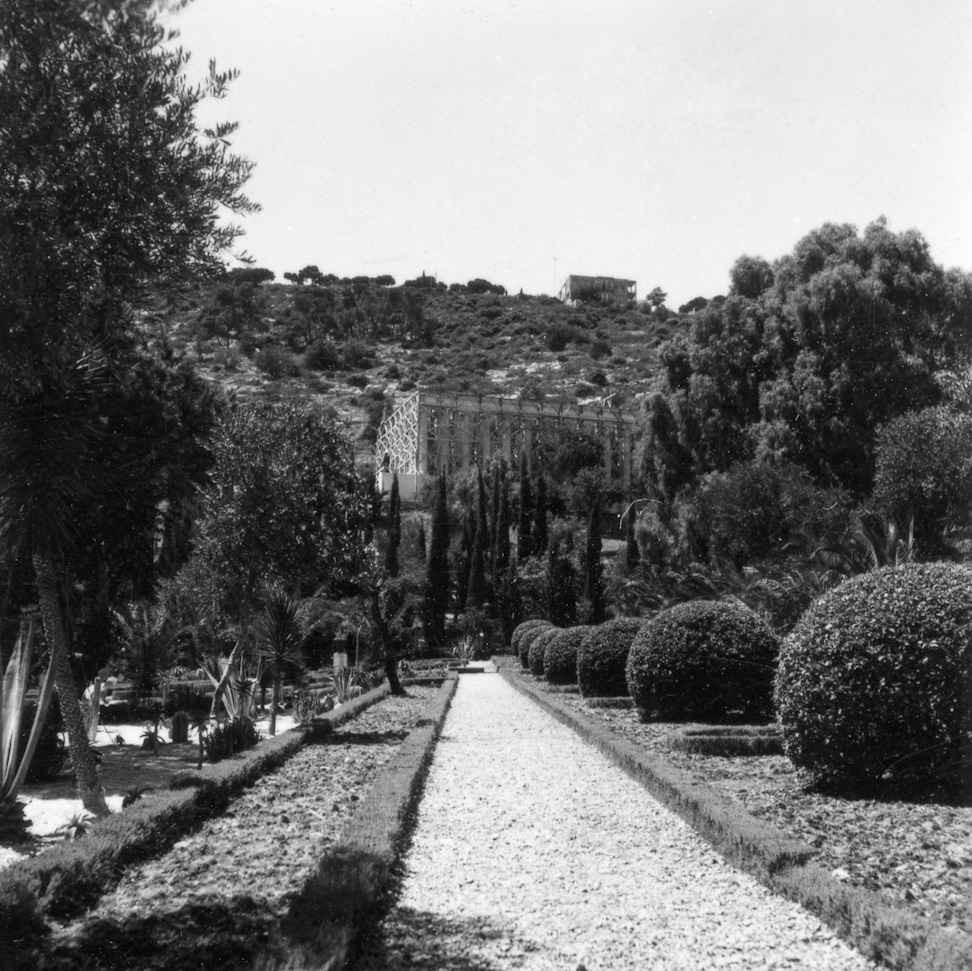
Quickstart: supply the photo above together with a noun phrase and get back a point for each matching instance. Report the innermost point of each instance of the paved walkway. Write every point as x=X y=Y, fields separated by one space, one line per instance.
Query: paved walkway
x=533 y=851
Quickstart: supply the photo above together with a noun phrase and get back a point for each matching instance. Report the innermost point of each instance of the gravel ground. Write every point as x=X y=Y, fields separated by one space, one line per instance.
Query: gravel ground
x=202 y=904
x=918 y=853
x=531 y=850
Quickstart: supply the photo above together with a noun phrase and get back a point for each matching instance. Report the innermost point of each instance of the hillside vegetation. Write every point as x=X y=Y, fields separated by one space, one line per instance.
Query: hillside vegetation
x=356 y=347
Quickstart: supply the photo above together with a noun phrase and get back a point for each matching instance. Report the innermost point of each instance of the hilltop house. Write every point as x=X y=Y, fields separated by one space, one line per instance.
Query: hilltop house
x=608 y=289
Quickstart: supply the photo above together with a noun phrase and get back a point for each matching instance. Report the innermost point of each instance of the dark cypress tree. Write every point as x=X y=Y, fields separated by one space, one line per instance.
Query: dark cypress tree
x=540 y=519
x=394 y=528
x=464 y=557
x=512 y=599
x=477 y=593
x=632 y=554
x=524 y=539
x=420 y=543
x=594 y=596
x=437 y=574
x=561 y=586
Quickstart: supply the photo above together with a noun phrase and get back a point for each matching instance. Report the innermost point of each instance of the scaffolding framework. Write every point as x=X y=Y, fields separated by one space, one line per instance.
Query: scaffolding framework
x=432 y=432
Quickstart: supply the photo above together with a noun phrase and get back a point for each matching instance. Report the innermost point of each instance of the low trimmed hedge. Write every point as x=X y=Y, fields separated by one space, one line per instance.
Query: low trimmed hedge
x=520 y=630
x=703 y=659
x=602 y=657
x=526 y=639
x=68 y=879
x=538 y=647
x=560 y=655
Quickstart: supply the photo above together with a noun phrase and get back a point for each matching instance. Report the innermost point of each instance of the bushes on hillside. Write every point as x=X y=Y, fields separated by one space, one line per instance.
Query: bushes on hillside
x=602 y=657
x=560 y=655
x=538 y=647
x=703 y=659
x=875 y=681
x=519 y=634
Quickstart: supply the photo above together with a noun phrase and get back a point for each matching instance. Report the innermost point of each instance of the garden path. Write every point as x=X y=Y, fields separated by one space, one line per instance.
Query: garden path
x=533 y=851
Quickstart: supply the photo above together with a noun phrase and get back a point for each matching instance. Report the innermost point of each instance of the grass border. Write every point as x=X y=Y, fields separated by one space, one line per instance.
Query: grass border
x=332 y=914
x=878 y=929
x=65 y=880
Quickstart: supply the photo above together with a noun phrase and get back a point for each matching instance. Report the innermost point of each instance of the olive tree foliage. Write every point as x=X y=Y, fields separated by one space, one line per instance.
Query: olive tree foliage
x=106 y=183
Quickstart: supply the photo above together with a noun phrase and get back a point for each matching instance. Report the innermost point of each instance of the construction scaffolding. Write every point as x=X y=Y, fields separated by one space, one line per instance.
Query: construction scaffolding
x=432 y=432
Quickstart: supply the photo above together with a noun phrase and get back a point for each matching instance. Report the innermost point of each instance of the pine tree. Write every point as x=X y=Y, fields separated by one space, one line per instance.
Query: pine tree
x=394 y=528
x=437 y=575
x=524 y=539
x=594 y=597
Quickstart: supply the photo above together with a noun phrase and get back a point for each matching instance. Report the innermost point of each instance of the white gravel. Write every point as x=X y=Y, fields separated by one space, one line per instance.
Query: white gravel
x=533 y=851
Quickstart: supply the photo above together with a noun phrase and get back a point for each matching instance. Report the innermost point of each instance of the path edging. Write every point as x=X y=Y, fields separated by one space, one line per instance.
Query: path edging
x=352 y=885
x=876 y=928
x=68 y=879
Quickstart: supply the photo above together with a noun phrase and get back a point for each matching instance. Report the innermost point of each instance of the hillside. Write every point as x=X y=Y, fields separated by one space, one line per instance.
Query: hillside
x=357 y=348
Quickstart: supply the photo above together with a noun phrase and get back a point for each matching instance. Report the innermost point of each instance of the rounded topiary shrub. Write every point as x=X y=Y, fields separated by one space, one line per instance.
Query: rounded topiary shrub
x=703 y=659
x=603 y=655
x=560 y=655
x=875 y=682
x=526 y=643
x=516 y=641
x=538 y=646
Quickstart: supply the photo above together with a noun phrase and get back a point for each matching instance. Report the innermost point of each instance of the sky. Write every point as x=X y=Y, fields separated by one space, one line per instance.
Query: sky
x=523 y=140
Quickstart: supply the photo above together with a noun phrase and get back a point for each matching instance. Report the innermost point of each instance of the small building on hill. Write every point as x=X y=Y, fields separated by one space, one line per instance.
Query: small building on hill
x=609 y=289
x=431 y=432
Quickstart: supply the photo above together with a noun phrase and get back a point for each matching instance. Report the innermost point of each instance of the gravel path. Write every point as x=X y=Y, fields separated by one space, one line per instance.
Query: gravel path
x=533 y=851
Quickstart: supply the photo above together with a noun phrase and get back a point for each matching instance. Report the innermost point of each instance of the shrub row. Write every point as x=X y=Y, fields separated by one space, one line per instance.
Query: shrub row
x=602 y=658
x=516 y=641
x=67 y=879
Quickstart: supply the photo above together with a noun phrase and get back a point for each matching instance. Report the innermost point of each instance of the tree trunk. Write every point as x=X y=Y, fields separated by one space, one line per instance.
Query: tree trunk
x=388 y=647
x=391 y=672
x=85 y=767
x=273 y=701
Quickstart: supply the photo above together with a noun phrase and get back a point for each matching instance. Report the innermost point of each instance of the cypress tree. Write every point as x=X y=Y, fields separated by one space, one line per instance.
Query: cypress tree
x=464 y=557
x=477 y=593
x=594 y=597
x=437 y=574
x=632 y=554
x=524 y=539
x=540 y=519
x=394 y=528
x=561 y=587
x=420 y=544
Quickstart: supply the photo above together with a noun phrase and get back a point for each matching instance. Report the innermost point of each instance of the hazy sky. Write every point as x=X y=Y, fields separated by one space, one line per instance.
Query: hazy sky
x=522 y=140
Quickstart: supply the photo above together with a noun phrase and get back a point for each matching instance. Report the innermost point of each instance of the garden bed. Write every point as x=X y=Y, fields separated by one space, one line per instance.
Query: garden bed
x=915 y=855
x=221 y=890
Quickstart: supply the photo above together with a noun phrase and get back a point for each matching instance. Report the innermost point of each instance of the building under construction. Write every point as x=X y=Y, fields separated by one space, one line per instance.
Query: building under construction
x=432 y=432
x=607 y=289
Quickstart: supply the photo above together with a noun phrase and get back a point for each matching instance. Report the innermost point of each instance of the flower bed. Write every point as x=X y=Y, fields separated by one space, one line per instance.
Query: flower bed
x=231 y=879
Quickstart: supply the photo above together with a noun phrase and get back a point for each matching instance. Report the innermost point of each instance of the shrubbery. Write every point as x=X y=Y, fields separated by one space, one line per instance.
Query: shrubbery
x=602 y=657
x=875 y=681
x=517 y=645
x=560 y=655
x=323 y=355
x=538 y=647
x=276 y=362
x=703 y=659
x=229 y=738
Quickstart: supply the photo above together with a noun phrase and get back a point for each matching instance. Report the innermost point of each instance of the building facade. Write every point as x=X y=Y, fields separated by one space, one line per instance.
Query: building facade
x=432 y=432
x=608 y=288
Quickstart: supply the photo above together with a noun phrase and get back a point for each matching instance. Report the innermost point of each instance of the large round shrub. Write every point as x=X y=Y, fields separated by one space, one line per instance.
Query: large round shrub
x=516 y=641
x=703 y=659
x=538 y=646
x=603 y=655
x=875 y=682
x=560 y=655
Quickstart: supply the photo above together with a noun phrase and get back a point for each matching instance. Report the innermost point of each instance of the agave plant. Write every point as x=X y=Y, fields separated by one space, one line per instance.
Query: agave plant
x=76 y=826
x=345 y=684
x=134 y=794
x=464 y=649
